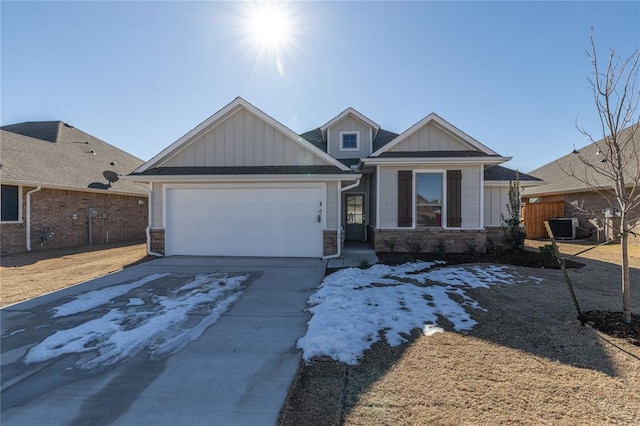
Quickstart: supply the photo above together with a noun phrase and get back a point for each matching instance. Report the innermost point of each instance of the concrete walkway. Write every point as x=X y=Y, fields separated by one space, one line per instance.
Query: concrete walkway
x=237 y=373
x=354 y=254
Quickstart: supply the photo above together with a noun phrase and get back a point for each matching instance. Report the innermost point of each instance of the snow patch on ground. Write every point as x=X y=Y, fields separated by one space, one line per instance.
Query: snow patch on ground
x=157 y=323
x=87 y=301
x=353 y=306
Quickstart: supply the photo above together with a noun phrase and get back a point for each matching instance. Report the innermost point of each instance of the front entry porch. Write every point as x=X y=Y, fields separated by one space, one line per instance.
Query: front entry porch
x=354 y=254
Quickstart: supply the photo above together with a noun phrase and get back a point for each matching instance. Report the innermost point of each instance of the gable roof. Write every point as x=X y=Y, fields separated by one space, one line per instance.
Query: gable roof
x=468 y=140
x=315 y=137
x=55 y=154
x=220 y=116
x=558 y=181
x=356 y=114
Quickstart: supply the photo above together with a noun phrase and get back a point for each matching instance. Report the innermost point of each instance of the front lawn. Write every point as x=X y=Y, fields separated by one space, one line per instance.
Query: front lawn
x=510 y=349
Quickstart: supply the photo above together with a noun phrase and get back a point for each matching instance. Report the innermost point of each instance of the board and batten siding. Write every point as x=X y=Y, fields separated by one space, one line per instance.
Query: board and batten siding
x=156 y=206
x=471 y=190
x=349 y=124
x=431 y=137
x=332 y=205
x=243 y=140
x=496 y=199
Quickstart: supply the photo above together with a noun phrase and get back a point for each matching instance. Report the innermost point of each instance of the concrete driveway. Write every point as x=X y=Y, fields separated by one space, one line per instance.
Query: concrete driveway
x=113 y=366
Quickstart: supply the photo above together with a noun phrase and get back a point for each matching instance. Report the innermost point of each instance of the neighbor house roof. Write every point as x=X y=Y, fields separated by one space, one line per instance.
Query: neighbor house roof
x=557 y=174
x=55 y=154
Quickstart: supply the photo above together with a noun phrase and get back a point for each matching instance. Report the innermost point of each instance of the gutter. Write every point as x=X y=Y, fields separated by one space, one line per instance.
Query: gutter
x=339 y=230
x=28 y=217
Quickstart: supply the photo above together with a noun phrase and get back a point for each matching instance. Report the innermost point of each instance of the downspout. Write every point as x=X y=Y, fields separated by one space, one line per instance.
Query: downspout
x=148 y=229
x=28 y=217
x=339 y=230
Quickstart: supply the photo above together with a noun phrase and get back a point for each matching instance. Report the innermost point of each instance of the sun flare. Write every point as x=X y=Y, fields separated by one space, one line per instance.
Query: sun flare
x=269 y=25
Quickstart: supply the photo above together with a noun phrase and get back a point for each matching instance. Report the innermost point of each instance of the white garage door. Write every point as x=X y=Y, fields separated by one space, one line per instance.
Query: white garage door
x=244 y=220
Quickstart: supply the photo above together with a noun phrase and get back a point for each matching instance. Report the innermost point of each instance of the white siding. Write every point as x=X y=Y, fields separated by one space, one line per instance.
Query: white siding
x=431 y=137
x=243 y=140
x=471 y=190
x=349 y=124
x=496 y=199
x=156 y=206
x=332 y=205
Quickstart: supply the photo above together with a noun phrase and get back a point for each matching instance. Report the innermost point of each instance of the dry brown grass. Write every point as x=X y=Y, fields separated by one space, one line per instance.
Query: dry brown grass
x=528 y=361
x=27 y=275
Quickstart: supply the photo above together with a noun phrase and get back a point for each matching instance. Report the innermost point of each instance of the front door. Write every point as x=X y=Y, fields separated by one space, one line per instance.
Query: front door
x=355 y=229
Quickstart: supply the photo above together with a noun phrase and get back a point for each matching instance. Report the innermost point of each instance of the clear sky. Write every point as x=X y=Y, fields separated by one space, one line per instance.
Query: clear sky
x=139 y=75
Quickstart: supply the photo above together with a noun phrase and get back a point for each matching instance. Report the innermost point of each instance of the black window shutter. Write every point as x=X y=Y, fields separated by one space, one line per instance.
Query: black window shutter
x=405 y=198
x=454 y=198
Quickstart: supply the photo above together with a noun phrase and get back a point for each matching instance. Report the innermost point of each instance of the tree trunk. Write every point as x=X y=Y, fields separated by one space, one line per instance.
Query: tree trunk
x=626 y=292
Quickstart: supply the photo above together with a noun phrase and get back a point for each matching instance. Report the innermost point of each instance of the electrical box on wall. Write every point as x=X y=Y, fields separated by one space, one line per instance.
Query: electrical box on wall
x=74 y=216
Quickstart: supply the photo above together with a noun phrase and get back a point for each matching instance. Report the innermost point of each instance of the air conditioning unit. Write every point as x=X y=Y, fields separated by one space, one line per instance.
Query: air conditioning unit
x=564 y=228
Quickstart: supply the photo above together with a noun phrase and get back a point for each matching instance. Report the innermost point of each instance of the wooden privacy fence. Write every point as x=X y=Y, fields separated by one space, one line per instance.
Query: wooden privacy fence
x=534 y=215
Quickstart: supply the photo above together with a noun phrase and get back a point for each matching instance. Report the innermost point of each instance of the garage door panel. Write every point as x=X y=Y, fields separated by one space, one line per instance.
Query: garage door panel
x=244 y=221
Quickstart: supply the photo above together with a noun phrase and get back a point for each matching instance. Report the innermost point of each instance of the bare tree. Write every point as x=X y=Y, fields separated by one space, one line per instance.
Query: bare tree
x=614 y=169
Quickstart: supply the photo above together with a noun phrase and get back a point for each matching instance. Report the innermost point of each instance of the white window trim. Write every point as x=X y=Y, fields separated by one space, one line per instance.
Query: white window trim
x=357 y=148
x=443 y=219
x=19 y=206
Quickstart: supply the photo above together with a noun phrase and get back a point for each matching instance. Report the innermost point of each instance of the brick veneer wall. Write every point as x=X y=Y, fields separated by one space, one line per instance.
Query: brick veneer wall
x=428 y=240
x=157 y=240
x=329 y=242
x=118 y=218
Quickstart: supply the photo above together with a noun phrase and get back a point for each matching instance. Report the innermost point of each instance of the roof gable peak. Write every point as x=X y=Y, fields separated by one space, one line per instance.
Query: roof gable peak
x=435 y=118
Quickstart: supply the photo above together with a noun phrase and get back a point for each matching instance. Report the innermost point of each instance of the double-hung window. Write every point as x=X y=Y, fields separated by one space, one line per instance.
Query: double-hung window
x=10 y=208
x=429 y=190
x=349 y=141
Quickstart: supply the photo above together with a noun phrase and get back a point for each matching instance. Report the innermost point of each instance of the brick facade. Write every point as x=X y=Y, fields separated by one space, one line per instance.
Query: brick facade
x=427 y=240
x=157 y=240
x=62 y=215
x=329 y=242
x=588 y=207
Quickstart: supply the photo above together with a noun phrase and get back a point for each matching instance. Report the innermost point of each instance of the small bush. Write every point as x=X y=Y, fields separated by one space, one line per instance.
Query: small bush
x=547 y=251
x=493 y=248
x=364 y=264
x=391 y=245
x=440 y=250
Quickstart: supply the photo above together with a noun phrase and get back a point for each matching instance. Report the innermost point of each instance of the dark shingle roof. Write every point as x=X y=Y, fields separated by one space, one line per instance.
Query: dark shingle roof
x=43 y=130
x=433 y=154
x=315 y=137
x=64 y=158
x=242 y=170
x=382 y=138
x=504 y=174
x=558 y=181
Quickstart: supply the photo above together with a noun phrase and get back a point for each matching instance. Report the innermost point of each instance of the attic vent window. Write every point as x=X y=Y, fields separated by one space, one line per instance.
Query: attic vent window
x=349 y=141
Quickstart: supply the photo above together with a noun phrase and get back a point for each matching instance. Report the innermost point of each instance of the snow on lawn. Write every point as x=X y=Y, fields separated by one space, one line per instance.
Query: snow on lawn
x=156 y=322
x=353 y=305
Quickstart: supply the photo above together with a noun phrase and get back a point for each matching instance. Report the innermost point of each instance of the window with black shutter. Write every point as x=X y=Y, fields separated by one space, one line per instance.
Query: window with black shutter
x=405 y=198
x=454 y=198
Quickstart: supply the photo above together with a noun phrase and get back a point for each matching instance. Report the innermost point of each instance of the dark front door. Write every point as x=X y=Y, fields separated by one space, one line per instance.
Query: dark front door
x=355 y=229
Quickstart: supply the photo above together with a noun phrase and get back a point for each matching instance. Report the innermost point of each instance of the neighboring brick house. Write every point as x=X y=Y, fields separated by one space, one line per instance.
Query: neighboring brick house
x=243 y=184
x=54 y=189
x=596 y=210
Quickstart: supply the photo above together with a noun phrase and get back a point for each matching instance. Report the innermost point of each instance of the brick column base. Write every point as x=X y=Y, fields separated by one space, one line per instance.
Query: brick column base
x=157 y=240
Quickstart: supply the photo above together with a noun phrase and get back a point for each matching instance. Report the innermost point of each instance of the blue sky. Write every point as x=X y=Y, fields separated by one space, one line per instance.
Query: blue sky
x=141 y=74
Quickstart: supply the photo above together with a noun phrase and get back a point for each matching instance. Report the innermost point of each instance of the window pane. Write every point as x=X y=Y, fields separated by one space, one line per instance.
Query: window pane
x=9 y=208
x=429 y=199
x=349 y=141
